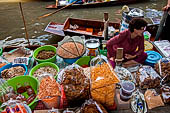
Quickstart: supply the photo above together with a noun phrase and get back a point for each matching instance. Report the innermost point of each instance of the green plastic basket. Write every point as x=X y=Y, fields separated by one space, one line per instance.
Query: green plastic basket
x=22 y=79
x=43 y=65
x=84 y=60
x=46 y=47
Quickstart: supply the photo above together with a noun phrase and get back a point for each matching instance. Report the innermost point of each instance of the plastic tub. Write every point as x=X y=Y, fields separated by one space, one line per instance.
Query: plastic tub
x=10 y=65
x=124 y=97
x=22 y=79
x=71 y=60
x=84 y=61
x=46 y=47
x=127 y=87
x=42 y=65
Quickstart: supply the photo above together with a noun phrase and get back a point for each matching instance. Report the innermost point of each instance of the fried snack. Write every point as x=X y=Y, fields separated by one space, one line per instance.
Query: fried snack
x=103 y=84
x=75 y=84
x=146 y=77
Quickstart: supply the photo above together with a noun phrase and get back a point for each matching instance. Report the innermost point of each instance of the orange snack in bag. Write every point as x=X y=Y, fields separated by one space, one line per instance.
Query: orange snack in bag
x=49 y=92
x=103 y=84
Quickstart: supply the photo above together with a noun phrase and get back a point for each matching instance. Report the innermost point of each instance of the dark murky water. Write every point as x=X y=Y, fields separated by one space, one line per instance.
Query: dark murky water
x=12 y=29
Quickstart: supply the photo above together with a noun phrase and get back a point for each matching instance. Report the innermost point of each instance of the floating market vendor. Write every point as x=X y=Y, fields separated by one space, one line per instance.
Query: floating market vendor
x=166 y=28
x=132 y=42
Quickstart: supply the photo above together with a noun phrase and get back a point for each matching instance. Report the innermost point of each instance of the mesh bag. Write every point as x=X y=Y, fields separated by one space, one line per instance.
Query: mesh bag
x=71 y=47
x=103 y=81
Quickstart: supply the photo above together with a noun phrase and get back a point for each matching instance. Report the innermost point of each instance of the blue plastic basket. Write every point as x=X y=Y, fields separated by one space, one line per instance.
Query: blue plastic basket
x=10 y=65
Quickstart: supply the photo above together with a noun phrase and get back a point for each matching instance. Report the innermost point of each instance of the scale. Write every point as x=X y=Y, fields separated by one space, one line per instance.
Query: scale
x=92 y=46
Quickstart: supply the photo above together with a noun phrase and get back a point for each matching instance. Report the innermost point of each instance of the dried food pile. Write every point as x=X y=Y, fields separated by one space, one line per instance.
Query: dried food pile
x=147 y=77
x=75 y=83
x=12 y=72
x=70 y=50
x=45 y=70
x=45 y=54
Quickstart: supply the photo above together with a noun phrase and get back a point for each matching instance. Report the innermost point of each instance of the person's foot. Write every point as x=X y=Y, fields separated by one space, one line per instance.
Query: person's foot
x=130 y=63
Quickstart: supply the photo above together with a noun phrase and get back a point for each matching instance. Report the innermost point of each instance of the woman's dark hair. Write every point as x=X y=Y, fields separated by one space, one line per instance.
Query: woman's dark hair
x=137 y=23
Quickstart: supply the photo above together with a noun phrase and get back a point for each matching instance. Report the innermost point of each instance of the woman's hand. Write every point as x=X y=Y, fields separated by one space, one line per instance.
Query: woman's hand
x=166 y=7
x=112 y=59
x=128 y=56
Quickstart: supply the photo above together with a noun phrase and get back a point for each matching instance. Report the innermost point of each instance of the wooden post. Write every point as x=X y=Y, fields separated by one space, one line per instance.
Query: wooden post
x=119 y=56
x=106 y=22
x=26 y=33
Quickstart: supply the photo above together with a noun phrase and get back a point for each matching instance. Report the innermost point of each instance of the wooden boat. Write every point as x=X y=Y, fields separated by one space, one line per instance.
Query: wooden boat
x=98 y=3
x=75 y=26
x=88 y=28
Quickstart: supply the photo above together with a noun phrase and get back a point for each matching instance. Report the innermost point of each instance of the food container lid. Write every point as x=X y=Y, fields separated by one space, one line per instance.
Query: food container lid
x=92 y=43
x=128 y=86
x=153 y=57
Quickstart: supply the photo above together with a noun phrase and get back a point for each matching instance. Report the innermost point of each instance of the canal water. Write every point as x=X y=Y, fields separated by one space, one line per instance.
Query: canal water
x=12 y=28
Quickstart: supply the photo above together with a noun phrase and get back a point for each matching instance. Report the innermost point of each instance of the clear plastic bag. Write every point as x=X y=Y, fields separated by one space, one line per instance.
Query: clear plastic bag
x=153 y=99
x=138 y=104
x=147 y=77
x=165 y=93
x=103 y=81
x=91 y=106
x=15 y=106
x=49 y=91
x=163 y=68
x=75 y=84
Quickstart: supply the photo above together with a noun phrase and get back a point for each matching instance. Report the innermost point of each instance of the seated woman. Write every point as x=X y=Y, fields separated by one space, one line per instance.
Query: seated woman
x=132 y=42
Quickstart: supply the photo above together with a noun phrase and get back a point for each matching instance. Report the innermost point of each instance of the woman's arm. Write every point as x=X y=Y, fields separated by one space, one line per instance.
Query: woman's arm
x=165 y=8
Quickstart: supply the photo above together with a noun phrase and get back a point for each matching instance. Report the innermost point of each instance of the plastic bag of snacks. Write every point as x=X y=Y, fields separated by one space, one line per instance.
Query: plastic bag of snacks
x=75 y=84
x=147 y=77
x=15 y=106
x=103 y=81
x=163 y=68
x=165 y=93
x=91 y=106
x=153 y=99
x=49 y=91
